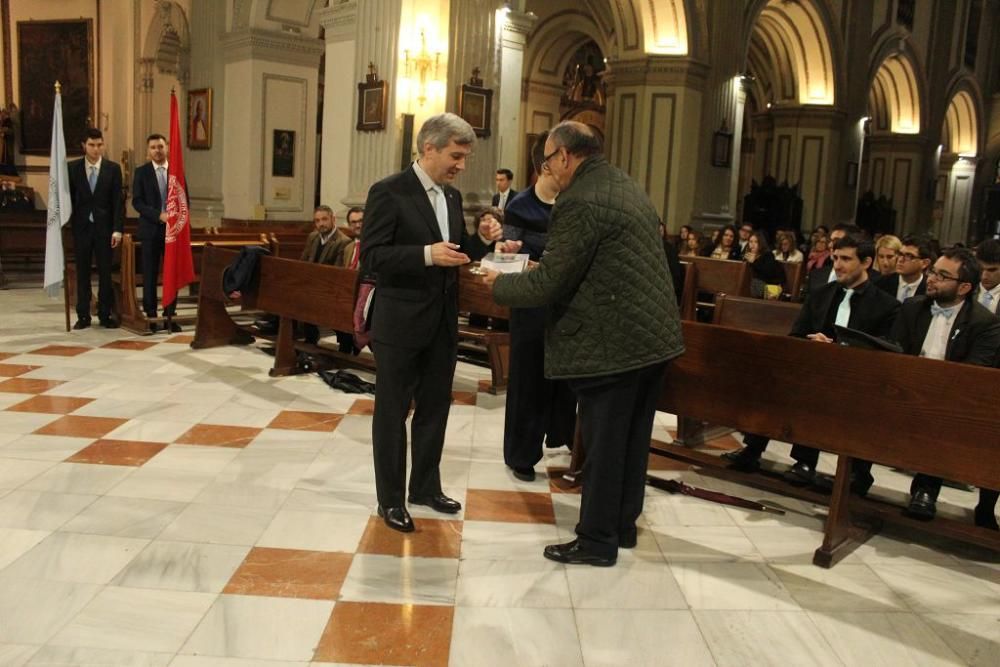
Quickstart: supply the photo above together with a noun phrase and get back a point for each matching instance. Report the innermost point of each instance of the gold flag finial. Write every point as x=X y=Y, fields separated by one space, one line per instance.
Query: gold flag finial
x=58 y=88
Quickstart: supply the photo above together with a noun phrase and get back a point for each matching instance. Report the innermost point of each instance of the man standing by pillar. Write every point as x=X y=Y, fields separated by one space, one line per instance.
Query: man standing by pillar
x=612 y=326
x=95 y=187
x=504 y=193
x=414 y=239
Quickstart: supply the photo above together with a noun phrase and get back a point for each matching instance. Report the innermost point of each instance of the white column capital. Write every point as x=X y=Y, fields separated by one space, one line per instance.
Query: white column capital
x=516 y=27
x=339 y=21
x=254 y=44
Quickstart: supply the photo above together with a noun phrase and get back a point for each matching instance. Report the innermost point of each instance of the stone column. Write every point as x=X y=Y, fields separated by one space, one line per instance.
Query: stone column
x=895 y=168
x=204 y=167
x=340 y=23
x=515 y=29
x=954 y=226
x=375 y=155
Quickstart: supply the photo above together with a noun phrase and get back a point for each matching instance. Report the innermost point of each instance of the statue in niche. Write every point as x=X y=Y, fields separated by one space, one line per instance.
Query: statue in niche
x=583 y=78
x=6 y=137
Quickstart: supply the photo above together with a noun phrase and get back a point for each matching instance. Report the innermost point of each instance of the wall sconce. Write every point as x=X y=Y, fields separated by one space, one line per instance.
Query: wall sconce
x=422 y=64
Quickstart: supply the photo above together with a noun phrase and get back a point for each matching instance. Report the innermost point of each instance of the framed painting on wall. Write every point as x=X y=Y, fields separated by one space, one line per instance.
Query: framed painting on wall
x=373 y=95
x=475 y=104
x=283 y=157
x=199 y=118
x=50 y=51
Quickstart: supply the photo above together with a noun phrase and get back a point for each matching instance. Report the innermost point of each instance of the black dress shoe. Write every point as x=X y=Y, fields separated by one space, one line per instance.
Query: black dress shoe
x=523 y=474
x=860 y=484
x=921 y=506
x=82 y=324
x=438 y=502
x=175 y=328
x=109 y=323
x=573 y=553
x=627 y=539
x=396 y=518
x=985 y=518
x=800 y=474
x=154 y=327
x=743 y=460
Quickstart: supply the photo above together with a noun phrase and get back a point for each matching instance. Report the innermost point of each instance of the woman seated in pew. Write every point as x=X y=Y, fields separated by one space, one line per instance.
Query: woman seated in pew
x=786 y=250
x=692 y=245
x=819 y=254
x=726 y=247
x=768 y=278
x=886 y=250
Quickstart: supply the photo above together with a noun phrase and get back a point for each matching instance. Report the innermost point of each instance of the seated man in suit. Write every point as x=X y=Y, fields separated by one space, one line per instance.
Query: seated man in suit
x=326 y=245
x=948 y=324
x=504 y=192
x=825 y=274
x=352 y=251
x=914 y=258
x=850 y=301
x=988 y=293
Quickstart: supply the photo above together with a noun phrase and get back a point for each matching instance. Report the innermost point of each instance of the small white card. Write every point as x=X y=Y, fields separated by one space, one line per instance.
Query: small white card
x=505 y=262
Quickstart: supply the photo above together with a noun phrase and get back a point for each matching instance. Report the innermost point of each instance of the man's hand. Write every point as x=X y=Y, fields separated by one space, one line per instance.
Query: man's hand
x=164 y=217
x=490 y=230
x=509 y=246
x=489 y=277
x=819 y=338
x=444 y=253
x=116 y=238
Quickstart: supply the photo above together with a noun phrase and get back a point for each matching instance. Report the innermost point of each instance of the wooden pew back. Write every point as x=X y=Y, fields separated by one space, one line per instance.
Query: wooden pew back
x=722 y=275
x=795 y=273
x=770 y=317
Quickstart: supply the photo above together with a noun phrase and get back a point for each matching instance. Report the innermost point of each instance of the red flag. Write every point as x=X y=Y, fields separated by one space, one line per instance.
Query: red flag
x=178 y=267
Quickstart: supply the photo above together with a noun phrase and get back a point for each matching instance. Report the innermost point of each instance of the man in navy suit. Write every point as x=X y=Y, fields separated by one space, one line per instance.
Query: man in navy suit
x=149 y=199
x=414 y=239
x=95 y=188
x=504 y=193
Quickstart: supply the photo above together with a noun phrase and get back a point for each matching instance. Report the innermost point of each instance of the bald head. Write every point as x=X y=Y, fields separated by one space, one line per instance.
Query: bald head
x=578 y=139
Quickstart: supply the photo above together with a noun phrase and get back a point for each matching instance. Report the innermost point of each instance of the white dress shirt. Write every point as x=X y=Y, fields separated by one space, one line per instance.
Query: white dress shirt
x=905 y=290
x=936 y=341
x=989 y=298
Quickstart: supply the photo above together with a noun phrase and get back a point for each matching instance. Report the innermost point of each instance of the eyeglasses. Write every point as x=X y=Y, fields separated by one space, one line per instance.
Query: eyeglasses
x=937 y=275
x=908 y=256
x=551 y=155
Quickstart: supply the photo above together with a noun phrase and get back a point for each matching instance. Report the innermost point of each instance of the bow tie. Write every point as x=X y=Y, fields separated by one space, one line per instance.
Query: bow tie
x=938 y=310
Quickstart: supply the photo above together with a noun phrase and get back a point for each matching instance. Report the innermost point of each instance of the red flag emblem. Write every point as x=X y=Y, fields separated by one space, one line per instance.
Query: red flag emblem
x=178 y=266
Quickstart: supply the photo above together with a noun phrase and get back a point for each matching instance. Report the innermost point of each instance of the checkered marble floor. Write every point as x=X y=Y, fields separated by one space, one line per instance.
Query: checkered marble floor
x=165 y=506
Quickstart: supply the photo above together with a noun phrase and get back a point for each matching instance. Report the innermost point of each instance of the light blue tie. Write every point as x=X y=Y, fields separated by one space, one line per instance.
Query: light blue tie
x=161 y=178
x=986 y=298
x=441 y=211
x=844 y=311
x=92 y=180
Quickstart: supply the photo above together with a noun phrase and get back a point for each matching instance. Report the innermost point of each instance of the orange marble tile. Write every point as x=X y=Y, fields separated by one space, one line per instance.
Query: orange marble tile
x=61 y=350
x=7 y=355
x=725 y=443
x=511 y=506
x=137 y=345
x=463 y=398
x=298 y=420
x=484 y=386
x=180 y=339
x=81 y=427
x=374 y=633
x=28 y=385
x=117 y=452
x=363 y=406
x=219 y=436
x=559 y=485
x=53 y=405
x=290 y=573
x=13 y=370
x=432 y=539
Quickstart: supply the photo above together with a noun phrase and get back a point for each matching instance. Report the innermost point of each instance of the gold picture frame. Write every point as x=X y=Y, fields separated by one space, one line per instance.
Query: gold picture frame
x=199 y=119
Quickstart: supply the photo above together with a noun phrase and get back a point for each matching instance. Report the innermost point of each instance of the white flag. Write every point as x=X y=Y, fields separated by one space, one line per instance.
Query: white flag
x=60 y=206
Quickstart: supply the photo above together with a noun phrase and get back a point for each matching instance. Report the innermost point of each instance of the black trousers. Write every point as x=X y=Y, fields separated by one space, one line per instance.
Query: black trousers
x=801 y=453
x=92 y=244
x=616 y=419
x=423 y=376
x=536 y=407
x=152 y=256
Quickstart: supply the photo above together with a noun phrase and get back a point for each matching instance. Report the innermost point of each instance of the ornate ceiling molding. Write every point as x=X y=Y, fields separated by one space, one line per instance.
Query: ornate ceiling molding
x=252 y=44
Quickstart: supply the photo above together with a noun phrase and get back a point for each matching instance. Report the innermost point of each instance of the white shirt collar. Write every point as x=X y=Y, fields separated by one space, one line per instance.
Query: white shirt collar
x=995 y=291
x=96 y=165
x=165 y=165
x=425 y=180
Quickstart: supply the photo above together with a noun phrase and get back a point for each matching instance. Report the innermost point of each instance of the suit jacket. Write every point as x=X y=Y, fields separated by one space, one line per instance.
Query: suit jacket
x=872 y=311
x=510 y=195
x=890 y=284
x=146 y=201
x=332 y=252
x=411 y=298
x=105 y=202
x=975 y=334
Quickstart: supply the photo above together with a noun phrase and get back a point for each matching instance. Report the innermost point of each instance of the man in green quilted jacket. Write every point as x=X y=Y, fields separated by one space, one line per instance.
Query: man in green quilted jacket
x=612 y=326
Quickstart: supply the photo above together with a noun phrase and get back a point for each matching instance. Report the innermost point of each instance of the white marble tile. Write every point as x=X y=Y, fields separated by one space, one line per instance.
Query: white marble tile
x=163 y=484
x=356 y=473
x=704 y=543
x=217 y=661
x=745 y=586
x=33 y=609
x=333 y=500
x=937 y=588
x=788 y=544
x=15 y=472
x=85 y=387
x=8 y=399
x=261 y=627
x=499 y=477
x=15 y=542
x=75 y=557
x=286 y=441
x=83 y=478
x=263 y=497
x=40 y=511
x=681 y=511
x=218 y=524
x=185 y=413
x=846 y=587
x=887 y=549
x=145 y=430
x=974 y=637
x=337 y=445
x=890 y=639
x=231 y=413
x=535 y=583
x=390 y=579
x=44 y=447
x=638 y=637
x=741 y=638
x=192 y=458
x=484 y=637
x=16 y=655
x=137 y=619
x=119 y=408
x=183 y=566
x=628 y=585
x=125 y=517
x=493 y=540
x=70 y=656
x=315 y=531
x=24 y=422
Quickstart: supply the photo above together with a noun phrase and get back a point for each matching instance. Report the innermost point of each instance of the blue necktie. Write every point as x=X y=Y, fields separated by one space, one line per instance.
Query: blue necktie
x=92 y=180
x=441 y=211
x=161 y=179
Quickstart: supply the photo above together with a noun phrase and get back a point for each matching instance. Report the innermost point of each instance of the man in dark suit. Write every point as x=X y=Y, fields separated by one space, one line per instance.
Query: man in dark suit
x=851 y=301
x=95 y=188
x=825 y=274
x=504 y=192
x=912 y=260
x=948 y=324
x=149 y=199
x=414 y=239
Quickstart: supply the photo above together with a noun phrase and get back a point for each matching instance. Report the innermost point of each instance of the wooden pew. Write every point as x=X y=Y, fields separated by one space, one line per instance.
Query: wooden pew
x=760 y=315
x=719 y=275
x=475 y=296
x=896 y=418
x=689 y=297
x=795 y=274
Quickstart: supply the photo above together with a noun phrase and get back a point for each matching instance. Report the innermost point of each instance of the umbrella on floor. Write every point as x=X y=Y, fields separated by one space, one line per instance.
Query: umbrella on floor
x=674 y=486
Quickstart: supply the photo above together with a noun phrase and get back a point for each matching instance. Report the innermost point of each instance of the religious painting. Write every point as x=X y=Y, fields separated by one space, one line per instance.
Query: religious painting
x=722 y=148
x=199 y=118
x=373 y=95
x=50 y=51
x=283 y=157
x=475 y=104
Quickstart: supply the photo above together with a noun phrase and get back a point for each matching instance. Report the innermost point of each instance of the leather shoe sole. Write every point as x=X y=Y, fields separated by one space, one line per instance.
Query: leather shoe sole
x=81 y=324
x=523 y=474
x=397 y=518
x=441 y=503
x=572 y=553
